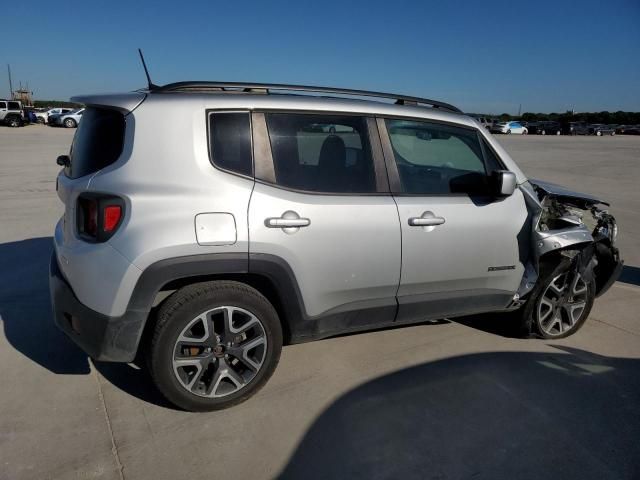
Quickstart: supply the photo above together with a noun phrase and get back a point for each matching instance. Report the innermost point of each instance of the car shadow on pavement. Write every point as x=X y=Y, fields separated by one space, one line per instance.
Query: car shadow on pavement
x=564 y=414
x=630 y=275
x=25 y=308
x=496 y=323
x=27 y=319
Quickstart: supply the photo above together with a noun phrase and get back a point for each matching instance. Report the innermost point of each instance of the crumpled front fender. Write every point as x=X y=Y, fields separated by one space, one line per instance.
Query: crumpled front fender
x=550 y=240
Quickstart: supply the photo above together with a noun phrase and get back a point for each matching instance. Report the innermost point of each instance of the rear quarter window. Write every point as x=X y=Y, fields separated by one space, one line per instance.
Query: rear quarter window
x=98 y=142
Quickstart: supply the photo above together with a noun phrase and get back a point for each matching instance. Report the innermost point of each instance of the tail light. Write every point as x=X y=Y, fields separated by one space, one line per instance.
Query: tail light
x=99 y=216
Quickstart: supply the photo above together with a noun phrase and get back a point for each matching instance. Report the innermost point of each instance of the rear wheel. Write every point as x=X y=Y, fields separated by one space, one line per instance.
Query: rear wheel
x=215 y=345
x=509 y=131
x=559 y=304
x=544 y=132
x=40 y=120
x=13 y=121
x=599 y=133
x=70 y=123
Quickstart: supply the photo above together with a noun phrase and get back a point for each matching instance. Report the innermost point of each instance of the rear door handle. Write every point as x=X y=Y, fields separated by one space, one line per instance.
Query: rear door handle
x=289 y=219
x=287 y=222
x=427 y=219
x=426 y=222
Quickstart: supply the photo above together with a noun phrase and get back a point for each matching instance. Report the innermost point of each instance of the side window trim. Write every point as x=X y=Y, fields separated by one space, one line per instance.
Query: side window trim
x=213 y=111
x=486 y=147
x=264 y=168
x=390 y=161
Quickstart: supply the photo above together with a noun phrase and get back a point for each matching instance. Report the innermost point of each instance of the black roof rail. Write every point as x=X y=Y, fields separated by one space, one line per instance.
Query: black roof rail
x=266 y=87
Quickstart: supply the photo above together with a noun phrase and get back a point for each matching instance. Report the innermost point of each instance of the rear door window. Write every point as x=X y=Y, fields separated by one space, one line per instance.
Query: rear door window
x=98 y=142
x=321 y=153
x=436 y=159
x=14 y=106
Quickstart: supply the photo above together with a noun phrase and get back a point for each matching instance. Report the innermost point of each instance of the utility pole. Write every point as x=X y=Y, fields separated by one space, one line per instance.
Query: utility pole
x=10 y=84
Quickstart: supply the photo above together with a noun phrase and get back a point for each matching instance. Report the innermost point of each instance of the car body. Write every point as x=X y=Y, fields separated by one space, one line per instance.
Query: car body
x=600 y=129
x=207 y=224
x=509 y=127
x=576 y=128
x=43 y=117
x=11 y=113
x=68 y=120
x=545 y=127
x=628 y=130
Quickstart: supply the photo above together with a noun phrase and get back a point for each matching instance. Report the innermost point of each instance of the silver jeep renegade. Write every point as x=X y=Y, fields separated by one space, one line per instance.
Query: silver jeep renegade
x=207 y=224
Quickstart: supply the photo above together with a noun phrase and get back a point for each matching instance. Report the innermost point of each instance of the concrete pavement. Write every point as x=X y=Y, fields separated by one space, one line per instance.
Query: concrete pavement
x=438 y=400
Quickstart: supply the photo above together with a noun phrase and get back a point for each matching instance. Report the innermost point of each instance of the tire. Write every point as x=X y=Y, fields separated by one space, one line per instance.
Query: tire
x=544 y=132
x=70 y=123
x=535 y=320
x=598 y=133
x=202 y=374
x=40 y=120
x=525 y=132
x=558 y=132
x=13 y=122
x=509 y=132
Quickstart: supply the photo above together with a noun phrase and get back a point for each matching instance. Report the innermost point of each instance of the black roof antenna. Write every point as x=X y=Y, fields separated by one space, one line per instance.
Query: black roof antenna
x=150 y=84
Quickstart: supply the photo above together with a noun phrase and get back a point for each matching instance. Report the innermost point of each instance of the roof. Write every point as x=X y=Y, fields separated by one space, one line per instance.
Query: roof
x=240 y=99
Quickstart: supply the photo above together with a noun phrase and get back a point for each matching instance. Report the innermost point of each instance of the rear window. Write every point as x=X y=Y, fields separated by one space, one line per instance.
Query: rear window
x=98 y=142
x=230 y=142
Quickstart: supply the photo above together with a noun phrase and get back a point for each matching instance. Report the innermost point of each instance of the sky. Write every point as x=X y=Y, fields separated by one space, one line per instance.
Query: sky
x=482 y=56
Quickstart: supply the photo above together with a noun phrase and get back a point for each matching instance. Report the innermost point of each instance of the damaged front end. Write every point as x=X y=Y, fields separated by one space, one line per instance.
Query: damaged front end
x=573 y=225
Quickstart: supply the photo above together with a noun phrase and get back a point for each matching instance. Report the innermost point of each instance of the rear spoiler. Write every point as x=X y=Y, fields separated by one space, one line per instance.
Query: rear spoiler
x=124 y=102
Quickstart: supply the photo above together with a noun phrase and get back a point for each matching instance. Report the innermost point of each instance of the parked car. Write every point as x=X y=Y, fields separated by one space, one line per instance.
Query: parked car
x=43 y=117
x=601 y=129
x=576 y=128
x=204 y=230
x=69 y=120
x=547 y=127
x=628 y=129
x=29 y=115
x=11 y=113
x=624 y=129
x=484 y=121
x=510 y=127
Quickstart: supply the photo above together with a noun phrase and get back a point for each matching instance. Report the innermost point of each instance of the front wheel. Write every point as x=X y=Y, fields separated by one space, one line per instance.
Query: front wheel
x=40 y=120
x=559 y=304
x=508 y=131
x=215 y=345
x=70 y=123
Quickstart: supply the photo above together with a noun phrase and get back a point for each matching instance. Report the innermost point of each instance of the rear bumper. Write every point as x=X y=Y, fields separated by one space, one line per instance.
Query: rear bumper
x=103 y=338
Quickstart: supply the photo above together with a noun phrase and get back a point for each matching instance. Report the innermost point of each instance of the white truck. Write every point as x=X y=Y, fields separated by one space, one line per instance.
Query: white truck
x=11 y=113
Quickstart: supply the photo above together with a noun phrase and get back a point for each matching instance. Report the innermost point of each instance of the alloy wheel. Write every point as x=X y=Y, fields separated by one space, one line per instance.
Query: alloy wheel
x=219 y=352
x=562 y=304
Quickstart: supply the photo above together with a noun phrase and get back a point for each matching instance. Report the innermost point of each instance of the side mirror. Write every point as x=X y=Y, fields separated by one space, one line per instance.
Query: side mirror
x=63 y=161
x=504 y=183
